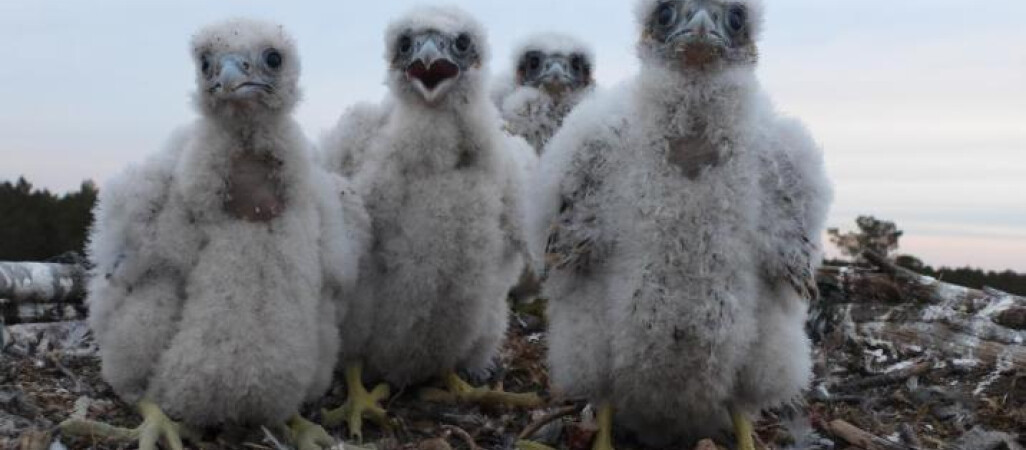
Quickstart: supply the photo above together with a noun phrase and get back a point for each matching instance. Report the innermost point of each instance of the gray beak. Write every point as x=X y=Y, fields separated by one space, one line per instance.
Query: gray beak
x=428 y=52
x=234 y=78
x=556 y=71
x=701 y=28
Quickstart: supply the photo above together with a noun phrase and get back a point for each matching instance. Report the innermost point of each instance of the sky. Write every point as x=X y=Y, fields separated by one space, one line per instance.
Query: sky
x=920 y=105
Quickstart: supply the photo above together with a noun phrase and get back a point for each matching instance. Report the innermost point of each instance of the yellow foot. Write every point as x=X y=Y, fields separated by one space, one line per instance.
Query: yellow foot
x=458 y=390
x=743 y=429
x=306 y=435
x=359 y=404
x=155 y=426
x=604 y=439
x=531 y=445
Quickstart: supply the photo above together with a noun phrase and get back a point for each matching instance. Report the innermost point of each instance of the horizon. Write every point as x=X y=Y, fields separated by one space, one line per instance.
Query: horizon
x=920 y=106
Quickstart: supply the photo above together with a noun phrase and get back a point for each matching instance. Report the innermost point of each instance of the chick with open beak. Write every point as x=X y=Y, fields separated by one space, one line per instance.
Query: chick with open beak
x=433 y=62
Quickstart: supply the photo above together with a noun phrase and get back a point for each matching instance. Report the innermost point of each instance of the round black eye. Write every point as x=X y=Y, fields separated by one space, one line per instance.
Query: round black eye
x=463 y=43
x=534 y=62
x=666 y=15
x=736 y=18
x=273 y=59
x=205 y=64
x=577 y=64
x=405 y=45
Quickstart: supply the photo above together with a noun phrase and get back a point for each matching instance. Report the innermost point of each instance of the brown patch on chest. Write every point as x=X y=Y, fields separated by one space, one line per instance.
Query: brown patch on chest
x=254 y=189
x=693 y=155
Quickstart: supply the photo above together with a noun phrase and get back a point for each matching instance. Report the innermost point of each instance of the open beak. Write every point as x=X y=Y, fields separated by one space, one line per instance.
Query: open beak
x=234 y=79
x=432 y=72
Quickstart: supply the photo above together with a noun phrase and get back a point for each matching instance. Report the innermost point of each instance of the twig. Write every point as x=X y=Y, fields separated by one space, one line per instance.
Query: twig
x=463 y=435
x=547 y=419
x=909 y=436
x=898 y=376
x=861 y=438
x=56 y=360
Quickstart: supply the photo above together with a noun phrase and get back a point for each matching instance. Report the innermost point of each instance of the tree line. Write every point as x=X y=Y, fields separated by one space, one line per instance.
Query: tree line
x=883 y=237
x=38 y=225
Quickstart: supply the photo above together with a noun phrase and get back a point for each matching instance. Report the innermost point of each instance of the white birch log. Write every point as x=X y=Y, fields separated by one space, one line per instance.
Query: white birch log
x=25 y=282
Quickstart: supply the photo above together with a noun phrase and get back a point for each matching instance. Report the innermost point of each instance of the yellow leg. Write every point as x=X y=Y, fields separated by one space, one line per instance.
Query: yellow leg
x=359 y=404
x=458 y=390
x=604 y=439
x=307 y=435
x=743 y=429
x=531 y=445
x=155 y=426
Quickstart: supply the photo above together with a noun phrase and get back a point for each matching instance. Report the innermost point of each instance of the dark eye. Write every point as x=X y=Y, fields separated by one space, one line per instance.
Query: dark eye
x=205 y=63
x=273 y=58
x=577 y=63
x=666 y=15
x=736 y=18
x=534 y=62
x=463 y=43
x=405 y=45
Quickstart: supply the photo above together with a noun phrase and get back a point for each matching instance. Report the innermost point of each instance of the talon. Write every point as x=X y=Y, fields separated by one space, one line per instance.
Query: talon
x=460 y=391
x=155 y=426
x=359 y=404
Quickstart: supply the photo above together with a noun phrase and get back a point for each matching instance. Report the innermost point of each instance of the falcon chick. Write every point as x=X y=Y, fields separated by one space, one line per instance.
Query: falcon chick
x=218 y=259
x=553 y=72
x=681 y=218
x=444 y=201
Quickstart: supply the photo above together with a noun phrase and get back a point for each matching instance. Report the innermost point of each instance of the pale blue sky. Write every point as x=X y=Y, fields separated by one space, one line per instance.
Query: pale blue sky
x=920 y=104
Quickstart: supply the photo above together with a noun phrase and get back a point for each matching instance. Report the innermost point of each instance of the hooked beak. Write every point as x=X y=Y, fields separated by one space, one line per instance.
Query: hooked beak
x=432 y=72
x=235 y=81
x=556 y=77
x=700 y=30
x=699 y=40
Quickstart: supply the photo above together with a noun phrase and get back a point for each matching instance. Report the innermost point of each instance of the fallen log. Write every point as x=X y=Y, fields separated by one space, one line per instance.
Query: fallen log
x=29 y=282
x=902 y=308
x=41 y=292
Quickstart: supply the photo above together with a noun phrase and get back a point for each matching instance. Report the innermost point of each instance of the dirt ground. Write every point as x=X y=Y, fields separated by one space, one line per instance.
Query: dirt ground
x=900 y=399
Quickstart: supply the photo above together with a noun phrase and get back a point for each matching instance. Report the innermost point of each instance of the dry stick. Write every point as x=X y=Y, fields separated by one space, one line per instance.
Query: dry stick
x=469 y=440
x=861 y=438
x=898 y=376
x=909 y=436
x=547 y=419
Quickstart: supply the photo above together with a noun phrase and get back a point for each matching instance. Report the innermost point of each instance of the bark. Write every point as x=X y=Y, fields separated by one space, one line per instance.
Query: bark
x=861 y=438
x=908 y=309
x=41 y=292
x=41 y=282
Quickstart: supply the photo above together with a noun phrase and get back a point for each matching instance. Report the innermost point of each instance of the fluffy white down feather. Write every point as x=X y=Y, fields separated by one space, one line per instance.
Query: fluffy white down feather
x=444 y=199
x=674 y=297
x=216 y=319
